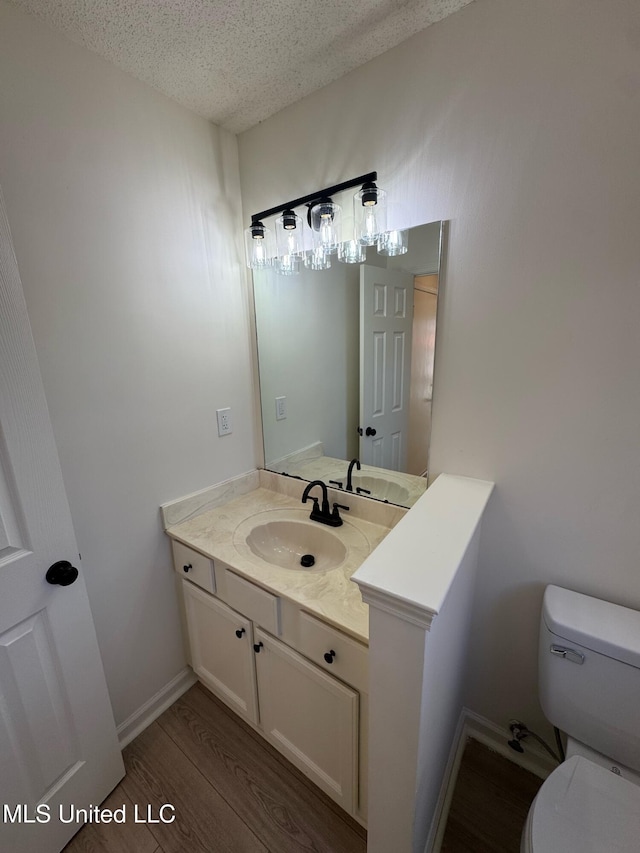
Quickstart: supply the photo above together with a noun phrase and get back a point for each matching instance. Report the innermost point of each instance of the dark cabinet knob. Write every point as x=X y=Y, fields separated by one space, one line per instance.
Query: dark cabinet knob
x=329 y=656
x=61 y=573
x=257 y=646
x=239 y=633
x=370 y=431
x=187 y=567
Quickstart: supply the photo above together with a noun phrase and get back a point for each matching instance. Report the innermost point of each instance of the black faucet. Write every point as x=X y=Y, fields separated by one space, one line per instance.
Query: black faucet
x=356 y=462
x=323 y=514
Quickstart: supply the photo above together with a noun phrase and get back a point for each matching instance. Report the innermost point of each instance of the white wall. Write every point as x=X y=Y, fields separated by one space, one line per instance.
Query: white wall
x=519 y=122
x=124 y=209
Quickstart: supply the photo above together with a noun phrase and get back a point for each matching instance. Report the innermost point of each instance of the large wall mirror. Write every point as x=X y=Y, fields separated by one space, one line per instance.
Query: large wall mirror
x=346 y=360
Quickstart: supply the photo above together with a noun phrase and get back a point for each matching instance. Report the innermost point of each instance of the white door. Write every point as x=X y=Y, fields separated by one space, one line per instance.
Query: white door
x=58 y=743
x=386 y=318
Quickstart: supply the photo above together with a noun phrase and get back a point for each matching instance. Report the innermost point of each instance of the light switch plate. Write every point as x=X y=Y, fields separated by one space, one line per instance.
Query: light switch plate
x=281 y=408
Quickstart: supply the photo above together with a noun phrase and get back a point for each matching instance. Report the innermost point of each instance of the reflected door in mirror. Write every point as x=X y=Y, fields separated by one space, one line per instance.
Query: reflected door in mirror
x=386 y=319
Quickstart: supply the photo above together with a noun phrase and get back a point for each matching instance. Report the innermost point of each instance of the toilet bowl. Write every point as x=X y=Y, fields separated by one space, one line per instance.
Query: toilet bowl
x=583 y=808
x=589 y=680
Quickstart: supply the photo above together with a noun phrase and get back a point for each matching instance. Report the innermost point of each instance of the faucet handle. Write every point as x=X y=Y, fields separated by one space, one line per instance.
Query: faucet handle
x=362 y=491
x=337 y=483
x=336 y=507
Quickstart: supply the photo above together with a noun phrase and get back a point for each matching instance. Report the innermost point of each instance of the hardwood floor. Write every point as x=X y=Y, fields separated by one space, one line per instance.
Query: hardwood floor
x=490 y=803
x=233 y=793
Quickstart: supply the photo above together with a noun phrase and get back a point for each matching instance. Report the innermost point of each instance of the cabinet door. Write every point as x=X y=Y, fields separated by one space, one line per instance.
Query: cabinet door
x=310 y=717
x=221 y=650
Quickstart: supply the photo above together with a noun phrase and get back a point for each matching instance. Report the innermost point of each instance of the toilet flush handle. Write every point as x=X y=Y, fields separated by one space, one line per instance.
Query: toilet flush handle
x=567 y=654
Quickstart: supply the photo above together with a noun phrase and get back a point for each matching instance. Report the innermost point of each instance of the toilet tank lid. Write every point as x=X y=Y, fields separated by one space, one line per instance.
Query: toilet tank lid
x=598 y=625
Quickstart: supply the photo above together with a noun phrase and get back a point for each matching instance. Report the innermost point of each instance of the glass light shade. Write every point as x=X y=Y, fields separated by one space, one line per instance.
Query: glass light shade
x=317 y=259
x=393 y=243
x=256 y=244
x=289 y=237
x=288 y=265
x=326 y=226
x=352 y=252
x=370 y=214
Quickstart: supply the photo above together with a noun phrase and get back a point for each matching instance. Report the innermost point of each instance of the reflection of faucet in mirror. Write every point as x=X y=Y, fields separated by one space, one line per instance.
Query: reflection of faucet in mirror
x=323 y=514
x=353 y=462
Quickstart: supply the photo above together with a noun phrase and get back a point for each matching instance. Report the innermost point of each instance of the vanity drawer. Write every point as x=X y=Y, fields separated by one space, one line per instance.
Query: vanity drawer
x=256 y=603
x=194 y=566
x=350 y=661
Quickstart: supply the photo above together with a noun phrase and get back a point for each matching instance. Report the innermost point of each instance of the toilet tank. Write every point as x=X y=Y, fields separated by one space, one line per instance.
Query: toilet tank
x=589 y=672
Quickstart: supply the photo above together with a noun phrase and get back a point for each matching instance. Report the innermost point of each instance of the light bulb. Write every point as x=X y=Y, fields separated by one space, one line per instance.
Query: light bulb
x=255 y=242
x=369 y=213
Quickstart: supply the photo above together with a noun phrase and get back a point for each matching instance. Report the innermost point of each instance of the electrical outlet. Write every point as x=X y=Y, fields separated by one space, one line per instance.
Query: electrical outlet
x=281 y=408
x=224 y=421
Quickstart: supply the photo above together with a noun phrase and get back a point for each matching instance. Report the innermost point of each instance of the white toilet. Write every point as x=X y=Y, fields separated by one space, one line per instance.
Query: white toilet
x=589 y=678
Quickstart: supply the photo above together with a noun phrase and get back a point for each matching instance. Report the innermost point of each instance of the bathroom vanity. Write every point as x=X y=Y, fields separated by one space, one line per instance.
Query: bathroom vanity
x=353 y=667
x=285 y=645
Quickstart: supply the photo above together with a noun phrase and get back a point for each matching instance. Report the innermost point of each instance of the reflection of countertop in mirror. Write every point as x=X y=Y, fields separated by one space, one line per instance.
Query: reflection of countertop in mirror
x=329 y=594
x=392 y=486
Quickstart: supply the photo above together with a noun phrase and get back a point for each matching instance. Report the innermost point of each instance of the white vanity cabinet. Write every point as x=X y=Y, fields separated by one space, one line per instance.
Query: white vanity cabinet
x=297 y=680
x=221 y=646
x=193 y=565
x=310 y=717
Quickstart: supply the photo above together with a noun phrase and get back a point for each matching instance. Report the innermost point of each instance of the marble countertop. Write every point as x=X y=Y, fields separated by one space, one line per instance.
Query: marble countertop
x=330 y=595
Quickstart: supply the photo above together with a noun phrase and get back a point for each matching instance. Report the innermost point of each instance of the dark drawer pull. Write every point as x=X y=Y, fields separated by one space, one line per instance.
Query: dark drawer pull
x=329 y=656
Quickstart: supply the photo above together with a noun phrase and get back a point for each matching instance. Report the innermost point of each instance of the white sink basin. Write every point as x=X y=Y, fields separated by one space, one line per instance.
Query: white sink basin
x=382 y=488
x=289 y=540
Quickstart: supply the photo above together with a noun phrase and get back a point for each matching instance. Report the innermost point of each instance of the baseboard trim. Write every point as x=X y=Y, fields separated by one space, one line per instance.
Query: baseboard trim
x=472 y=725
x=151 y=710
x=436 y=834
x=534 y=758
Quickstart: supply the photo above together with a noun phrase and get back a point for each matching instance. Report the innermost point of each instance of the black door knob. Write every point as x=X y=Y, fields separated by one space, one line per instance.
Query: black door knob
x=239 y=633
x=257 y=646
x=370 y=431
x=187 y=567
x=61 y=573
x=329 y=656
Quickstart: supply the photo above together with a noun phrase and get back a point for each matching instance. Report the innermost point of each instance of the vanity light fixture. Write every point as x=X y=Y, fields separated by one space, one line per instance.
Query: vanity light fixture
x=324 y=218
x=352 y=252
x=289 y=239
x=288 y=265
x=393 y=243
x=255 y=242
x=370 y=213
x=317 y=259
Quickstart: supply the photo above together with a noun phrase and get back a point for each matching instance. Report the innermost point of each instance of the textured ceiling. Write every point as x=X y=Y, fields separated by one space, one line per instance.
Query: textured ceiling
x=239 y=61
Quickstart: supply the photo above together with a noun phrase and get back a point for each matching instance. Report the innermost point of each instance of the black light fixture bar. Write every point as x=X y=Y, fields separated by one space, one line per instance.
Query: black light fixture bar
x=314 y=197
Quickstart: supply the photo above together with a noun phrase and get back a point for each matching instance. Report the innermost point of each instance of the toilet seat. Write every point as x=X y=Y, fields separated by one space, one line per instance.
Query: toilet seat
x=583 y=808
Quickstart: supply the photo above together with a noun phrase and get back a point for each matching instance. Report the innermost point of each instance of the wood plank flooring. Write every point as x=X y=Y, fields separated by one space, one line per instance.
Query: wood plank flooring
x=490 y=803
x=233 y=793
